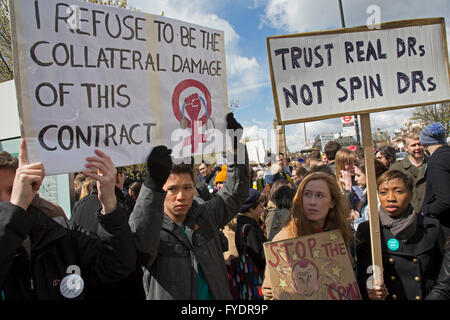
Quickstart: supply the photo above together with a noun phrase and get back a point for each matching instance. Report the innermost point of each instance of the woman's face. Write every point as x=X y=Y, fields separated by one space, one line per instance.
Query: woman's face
x=317 y=201
x=258 y=211
x=394 y=197
x=350 y=167
x=360 y=177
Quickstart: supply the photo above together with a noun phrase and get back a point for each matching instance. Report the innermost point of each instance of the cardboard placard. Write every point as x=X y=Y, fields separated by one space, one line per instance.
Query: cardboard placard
x=92 y=76
x=313 y=267
x=327 y=74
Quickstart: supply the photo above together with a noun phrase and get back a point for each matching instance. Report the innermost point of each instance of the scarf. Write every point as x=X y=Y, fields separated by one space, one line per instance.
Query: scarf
x=402 y=227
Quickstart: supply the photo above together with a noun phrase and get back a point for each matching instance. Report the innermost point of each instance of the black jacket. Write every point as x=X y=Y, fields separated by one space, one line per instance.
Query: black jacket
x=409 y=272
x=436 y=202
x=254 y=239
x=55 y=247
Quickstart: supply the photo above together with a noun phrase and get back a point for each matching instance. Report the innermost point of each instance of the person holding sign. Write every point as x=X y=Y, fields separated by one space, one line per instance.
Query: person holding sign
x=412 y=245
x=178 y=239
x=318 y=206
x=45 y=258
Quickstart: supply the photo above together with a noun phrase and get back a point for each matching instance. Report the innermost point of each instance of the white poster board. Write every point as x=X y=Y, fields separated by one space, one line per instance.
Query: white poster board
x=9 y=121
x=91 y=76
x=256 y=151
x=348 y=126
x=327 y=74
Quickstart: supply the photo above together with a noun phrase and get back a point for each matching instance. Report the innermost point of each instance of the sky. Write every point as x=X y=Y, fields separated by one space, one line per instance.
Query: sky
x=247 y=23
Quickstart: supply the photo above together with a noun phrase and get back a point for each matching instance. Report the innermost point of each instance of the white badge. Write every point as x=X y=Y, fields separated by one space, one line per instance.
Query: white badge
x=71 y=286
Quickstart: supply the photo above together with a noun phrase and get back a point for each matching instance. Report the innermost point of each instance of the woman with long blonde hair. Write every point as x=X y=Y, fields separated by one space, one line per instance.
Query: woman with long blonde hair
x=345 y=174
x=318 y=206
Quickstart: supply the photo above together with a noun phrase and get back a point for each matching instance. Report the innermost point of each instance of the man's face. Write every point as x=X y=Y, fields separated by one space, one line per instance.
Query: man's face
x=204 y=170
x=280 y=161
x=414 y=148
x=6 y=184
x=180 y=193
x=305 y=280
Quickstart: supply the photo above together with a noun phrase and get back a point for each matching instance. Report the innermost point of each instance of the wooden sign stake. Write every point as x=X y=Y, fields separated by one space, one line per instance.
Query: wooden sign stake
x=374 y=219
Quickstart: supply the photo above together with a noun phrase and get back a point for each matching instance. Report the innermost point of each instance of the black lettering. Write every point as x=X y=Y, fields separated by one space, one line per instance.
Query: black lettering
x=328 y=47
x=290 y=95
x=65 y=54
x=134 y=126
x=402 y=77
x=307 y=63
x=149 y=125
x=422 y=50
x=97 y=133
x=381 y=55
x=417 y=79
x=282 y=52
x=318 y=84
x=432 y=84
x=124 y=134
x=128 y=27
x=411 y=43
x=79 y=134
x=95 y=21
x=123 y=95
x=401 y=48
x=173 y=63
x=119 y=26
x=377 y=86
x=296 y=54
x=33 y=54
x=83 y=20
x=36 y=14
x=359 y=51
x=319 y=56
x=306 y=100
x=89 y=87
x=338 y=85
x=110 y=135
x=348 y=48
x=53 y=90
x=61 y=140
x=58 y=17
x=371 y=53
x=41 y=137
x=137 y=27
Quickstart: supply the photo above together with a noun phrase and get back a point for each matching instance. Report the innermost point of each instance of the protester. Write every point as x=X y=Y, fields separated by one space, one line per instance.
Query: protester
x=220 y=178
x=280 y=198
x=134 y=188
x=386 y=155
x=77 y=185
x=330 y=150
x=8 y=168
x=254 y=236
x=362 y=214
x=298 y=174
x=436 y=201
x=177 y=238
x=314 y=159
x=284 y=170
x=411 y=244
x=318 y=206
x=207 y=174
x=414 y=165
x=345 y=175
x=38 y=254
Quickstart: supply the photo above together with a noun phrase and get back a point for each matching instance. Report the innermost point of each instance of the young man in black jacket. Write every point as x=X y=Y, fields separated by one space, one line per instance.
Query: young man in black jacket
x=45 y=258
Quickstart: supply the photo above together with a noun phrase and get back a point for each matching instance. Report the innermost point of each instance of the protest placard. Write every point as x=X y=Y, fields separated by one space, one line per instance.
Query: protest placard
x=256 y=151
x=91 y=76
x=313 y=267
x=327 y=74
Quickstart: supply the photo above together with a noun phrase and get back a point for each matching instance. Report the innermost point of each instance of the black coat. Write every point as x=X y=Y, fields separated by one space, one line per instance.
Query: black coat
x=254 y=239
x=55 y=245
x=409 y=272
x=436 y=202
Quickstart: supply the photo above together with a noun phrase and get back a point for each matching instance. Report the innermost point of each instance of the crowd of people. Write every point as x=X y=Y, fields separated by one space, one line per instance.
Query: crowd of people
x=175 y=234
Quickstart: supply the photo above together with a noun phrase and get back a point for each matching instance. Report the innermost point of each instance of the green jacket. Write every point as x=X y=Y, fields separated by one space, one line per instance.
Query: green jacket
x=418 y=176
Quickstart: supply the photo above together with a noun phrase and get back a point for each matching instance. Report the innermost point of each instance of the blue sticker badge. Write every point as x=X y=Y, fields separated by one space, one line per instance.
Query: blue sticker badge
x=393 y=244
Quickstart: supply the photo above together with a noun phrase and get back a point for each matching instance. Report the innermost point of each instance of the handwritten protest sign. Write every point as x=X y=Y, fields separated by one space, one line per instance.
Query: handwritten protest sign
x=91 y=76
x=333 y=73
x=314 y=267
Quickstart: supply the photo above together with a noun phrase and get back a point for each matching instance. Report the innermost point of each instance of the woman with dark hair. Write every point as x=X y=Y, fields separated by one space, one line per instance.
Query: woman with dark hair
x=412 y=245
x=318 y=206
x=278 y=215
x=386 y=155
x=362 y=213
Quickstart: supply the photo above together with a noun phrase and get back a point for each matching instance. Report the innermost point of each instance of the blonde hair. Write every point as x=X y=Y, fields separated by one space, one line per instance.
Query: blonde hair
x=86 y=187
x=336 y=218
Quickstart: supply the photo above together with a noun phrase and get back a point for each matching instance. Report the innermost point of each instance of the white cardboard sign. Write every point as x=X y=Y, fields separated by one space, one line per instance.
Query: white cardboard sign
x=91 y=76
x=328 y=74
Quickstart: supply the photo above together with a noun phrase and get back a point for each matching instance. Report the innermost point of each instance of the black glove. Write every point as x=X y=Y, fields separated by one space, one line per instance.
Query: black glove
x=234 y=125
x=159 y=164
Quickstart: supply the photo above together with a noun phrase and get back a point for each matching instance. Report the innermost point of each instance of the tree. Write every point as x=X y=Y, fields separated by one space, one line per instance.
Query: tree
x=433 y=113
x=6 y=53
